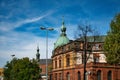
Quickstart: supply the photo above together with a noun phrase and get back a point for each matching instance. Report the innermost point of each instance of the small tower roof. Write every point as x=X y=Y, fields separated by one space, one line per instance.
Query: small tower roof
x=38 y=54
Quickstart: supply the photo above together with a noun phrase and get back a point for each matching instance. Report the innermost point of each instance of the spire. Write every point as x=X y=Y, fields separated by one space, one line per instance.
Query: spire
x=37 y=49
x=62 y=20
x=63 y=28
x=38 y=54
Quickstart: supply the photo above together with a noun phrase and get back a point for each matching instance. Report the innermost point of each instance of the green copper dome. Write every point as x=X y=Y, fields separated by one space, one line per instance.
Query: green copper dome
x=62 y=40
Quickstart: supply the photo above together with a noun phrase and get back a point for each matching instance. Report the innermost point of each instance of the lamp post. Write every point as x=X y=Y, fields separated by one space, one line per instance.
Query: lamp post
x=12 y=66
x=47 y=29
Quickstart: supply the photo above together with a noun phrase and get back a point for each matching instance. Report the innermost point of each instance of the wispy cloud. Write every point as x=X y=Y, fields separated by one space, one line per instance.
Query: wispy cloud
x=6 y=26
x=35 y=19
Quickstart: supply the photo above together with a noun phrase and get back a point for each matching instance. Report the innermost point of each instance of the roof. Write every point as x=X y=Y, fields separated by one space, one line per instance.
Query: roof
x=94 y=38
x=62 y=40
x=43 y=61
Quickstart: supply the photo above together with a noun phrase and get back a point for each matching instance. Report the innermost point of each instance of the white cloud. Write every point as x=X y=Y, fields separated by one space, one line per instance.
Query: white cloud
x=23 y=45
x=32 y=20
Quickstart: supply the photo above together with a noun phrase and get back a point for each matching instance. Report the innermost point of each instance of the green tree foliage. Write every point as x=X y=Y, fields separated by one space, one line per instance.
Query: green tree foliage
x=112 y=42
x=22 y=69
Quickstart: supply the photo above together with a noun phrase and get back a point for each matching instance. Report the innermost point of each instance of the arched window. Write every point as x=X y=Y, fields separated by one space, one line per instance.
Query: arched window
x=79 y=76
x=67 y=60
x=68 y=76
x=60 y=76
x=55 y=76
x=99 y=75
x=59 y=63
x=56 y=64
x=109 y=75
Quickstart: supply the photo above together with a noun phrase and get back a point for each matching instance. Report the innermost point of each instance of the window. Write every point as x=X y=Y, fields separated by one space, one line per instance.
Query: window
x=68 y=61
x=56 y=64
x=96 y=59
x=99 y=75
x=68 y=76
x=97 y=46
x=79 y=77
x=109 y=75
x=55 y=76
x=60 y=76
x=59 y=63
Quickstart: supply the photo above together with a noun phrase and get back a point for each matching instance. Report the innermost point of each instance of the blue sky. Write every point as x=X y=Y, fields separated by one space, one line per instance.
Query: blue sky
x=20 y=21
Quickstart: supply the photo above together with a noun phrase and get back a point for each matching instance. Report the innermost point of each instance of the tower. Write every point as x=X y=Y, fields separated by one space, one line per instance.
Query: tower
x=62 y=39
x=38 y=55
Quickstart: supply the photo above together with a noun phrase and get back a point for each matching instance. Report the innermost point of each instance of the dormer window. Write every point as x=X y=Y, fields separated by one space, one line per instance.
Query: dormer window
x=97 y=46
x=96 y=59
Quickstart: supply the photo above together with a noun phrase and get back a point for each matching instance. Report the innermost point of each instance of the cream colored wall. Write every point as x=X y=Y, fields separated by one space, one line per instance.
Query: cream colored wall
x=91 y=58
x=102 y=58
x=79 y=58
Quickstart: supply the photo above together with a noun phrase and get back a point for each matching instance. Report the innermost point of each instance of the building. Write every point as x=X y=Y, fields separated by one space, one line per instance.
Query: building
x=42 y=64
x=43 y=67
x=1 y=73
x=68 y=60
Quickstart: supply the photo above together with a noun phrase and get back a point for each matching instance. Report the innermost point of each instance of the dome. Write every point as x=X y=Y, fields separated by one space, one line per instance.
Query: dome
x=62 y=40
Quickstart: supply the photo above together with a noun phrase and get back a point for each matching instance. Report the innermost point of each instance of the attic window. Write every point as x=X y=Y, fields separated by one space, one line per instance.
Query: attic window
x=97 y=46
x=96 y=59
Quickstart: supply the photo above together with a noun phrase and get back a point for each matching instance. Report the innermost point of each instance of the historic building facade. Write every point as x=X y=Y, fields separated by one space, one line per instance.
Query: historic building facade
x=68 y=60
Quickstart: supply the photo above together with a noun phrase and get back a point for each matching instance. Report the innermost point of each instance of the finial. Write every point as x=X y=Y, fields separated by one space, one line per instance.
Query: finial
x=63 y=28
x=63 y=20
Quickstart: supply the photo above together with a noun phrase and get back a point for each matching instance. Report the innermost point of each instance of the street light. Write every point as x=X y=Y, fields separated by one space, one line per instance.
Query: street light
x=12 y=65
x=47 y=29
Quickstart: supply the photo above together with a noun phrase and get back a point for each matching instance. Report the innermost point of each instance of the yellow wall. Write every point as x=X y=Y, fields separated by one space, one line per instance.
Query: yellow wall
x=71 y=59
x=63 y=60
x=1 y=71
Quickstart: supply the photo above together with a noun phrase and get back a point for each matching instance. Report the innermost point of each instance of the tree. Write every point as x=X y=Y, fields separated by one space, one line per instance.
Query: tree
x=85 y=32
x=22 y=69
x=112 y=42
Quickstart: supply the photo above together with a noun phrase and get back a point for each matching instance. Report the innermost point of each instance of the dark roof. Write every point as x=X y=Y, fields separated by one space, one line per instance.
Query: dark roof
x=43 y=61
x=93 y=38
